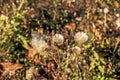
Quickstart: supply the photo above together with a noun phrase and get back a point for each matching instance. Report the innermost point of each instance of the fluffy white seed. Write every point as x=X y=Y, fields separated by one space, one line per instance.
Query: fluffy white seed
x=117 y=15
x=106 y=10
x=118 y=22
x=38 y=42
x=80 y=38
x=58 y=39
x=77 y=50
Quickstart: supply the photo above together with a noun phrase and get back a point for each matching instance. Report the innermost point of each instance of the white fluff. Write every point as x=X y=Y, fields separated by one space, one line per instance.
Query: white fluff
x=77 y=50
x=38 y=42
x=58 y=39
x=80 y=38
x=106 y=10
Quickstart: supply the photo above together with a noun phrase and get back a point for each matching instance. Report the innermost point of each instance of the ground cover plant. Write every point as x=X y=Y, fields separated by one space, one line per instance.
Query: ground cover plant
x=59 y=39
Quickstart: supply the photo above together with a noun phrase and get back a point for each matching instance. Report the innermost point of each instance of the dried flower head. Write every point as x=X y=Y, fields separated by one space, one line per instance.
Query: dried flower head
x=38 y=42
x=58 y=39
x=29 y=73
x=80 y=38
x=106 y=10
x=118 y=22
x=77 y=50
x=3 y=17
x=117 y=15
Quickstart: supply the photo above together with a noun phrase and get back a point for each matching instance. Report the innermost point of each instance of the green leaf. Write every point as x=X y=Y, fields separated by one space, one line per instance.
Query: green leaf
x=24 y=41
x=87 y=46
x=102 y=61
x=96 y=55
x=101 y=69
x=92 y=65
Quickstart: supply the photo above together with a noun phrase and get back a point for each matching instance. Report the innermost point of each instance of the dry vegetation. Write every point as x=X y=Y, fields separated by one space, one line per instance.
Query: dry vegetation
x=59 y=39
